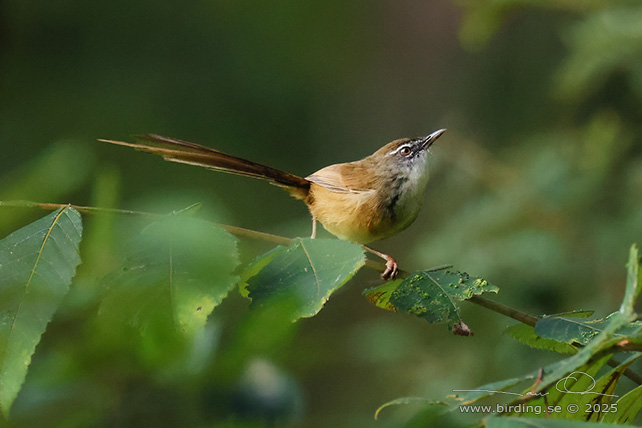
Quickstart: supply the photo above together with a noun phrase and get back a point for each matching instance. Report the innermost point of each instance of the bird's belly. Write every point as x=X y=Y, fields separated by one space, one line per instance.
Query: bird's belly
x=359 y=217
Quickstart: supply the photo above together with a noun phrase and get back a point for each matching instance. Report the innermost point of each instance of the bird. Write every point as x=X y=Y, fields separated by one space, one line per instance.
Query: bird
x=361 y=201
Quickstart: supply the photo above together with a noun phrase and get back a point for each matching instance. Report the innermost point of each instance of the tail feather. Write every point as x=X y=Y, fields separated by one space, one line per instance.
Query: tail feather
x=193 y=154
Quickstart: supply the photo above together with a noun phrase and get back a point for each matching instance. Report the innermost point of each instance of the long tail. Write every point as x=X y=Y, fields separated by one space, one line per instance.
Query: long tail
x=193 y=154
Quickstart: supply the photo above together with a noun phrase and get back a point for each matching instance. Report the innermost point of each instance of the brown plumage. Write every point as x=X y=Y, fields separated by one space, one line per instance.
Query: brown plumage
x=362 y=201
x=175 y=150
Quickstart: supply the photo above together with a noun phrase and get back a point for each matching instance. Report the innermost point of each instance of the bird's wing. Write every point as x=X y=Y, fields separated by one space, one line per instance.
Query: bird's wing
x=343 y=178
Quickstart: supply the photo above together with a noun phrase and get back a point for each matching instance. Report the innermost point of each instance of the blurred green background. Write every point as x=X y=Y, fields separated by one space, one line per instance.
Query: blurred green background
x=537 y=185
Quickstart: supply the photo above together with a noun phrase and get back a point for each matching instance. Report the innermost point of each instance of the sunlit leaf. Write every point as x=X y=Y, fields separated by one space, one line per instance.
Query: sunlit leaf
x=37 y=264
x=255 y=267
x=99 y=243
x=434 y=296
x=306 y=272
x=179 y=270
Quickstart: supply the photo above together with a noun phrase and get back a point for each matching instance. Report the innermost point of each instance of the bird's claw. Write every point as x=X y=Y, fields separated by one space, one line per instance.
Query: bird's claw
x=391 y=269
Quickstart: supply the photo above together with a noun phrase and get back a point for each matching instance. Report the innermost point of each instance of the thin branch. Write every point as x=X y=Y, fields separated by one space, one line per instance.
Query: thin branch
x=253 y=234
x=505 y=310
x=79 y=208
x=372 y=264
x=281 y=240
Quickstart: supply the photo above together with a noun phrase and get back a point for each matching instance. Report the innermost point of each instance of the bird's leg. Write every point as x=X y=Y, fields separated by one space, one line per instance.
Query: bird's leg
x=314 y=228
x=391 y=264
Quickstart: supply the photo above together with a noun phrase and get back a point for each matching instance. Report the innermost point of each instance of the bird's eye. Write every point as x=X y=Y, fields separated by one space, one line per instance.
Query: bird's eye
x=405 y=151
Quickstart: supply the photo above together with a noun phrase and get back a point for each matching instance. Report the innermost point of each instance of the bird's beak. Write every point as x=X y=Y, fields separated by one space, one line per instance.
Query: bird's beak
x=427 y=141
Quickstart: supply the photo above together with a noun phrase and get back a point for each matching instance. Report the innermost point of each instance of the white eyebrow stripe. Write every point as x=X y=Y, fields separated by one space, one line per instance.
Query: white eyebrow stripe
x=399 y=148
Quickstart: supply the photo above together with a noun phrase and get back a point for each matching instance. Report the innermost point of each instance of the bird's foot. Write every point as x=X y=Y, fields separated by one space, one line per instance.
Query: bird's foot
x=391 y=268
x=391 y=264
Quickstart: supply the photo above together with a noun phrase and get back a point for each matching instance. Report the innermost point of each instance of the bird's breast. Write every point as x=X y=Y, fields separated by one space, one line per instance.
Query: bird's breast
x=371 y=215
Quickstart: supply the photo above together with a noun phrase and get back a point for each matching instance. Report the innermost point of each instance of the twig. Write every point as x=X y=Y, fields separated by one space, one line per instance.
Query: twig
x=500 y=308
x=505 y=310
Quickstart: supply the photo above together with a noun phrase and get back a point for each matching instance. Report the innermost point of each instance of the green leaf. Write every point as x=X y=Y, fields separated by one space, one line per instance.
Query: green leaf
x=37 y=264
x=565 y=387
x=179 y=269
x=562 y=392
x=633 y=279
x=571 y=330
x=519 y=422
x=600 y=393
x=433 y=296
x=605 y=339
x=306 y=272
x=580 y=388
x=100 y=255
x=526 y=335
x=628 y=406
x=255 y=267
x=539 y=399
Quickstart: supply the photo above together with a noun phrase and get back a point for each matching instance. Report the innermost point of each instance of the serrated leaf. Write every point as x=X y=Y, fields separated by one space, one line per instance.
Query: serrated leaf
x=306 y=273
x=567 y=381
x=519 y=422
x=255 y=267
x=37 y=264
x=537 y=397
x=595 y=335
x=571 y=330
x=628 y=406
x=433 y=296
x=380 y=295
x=600 y=392
x=179 y=270
x=633 y=287
x=605 y=339
x=526 y=335
x=566 y=388
x=579 y=388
